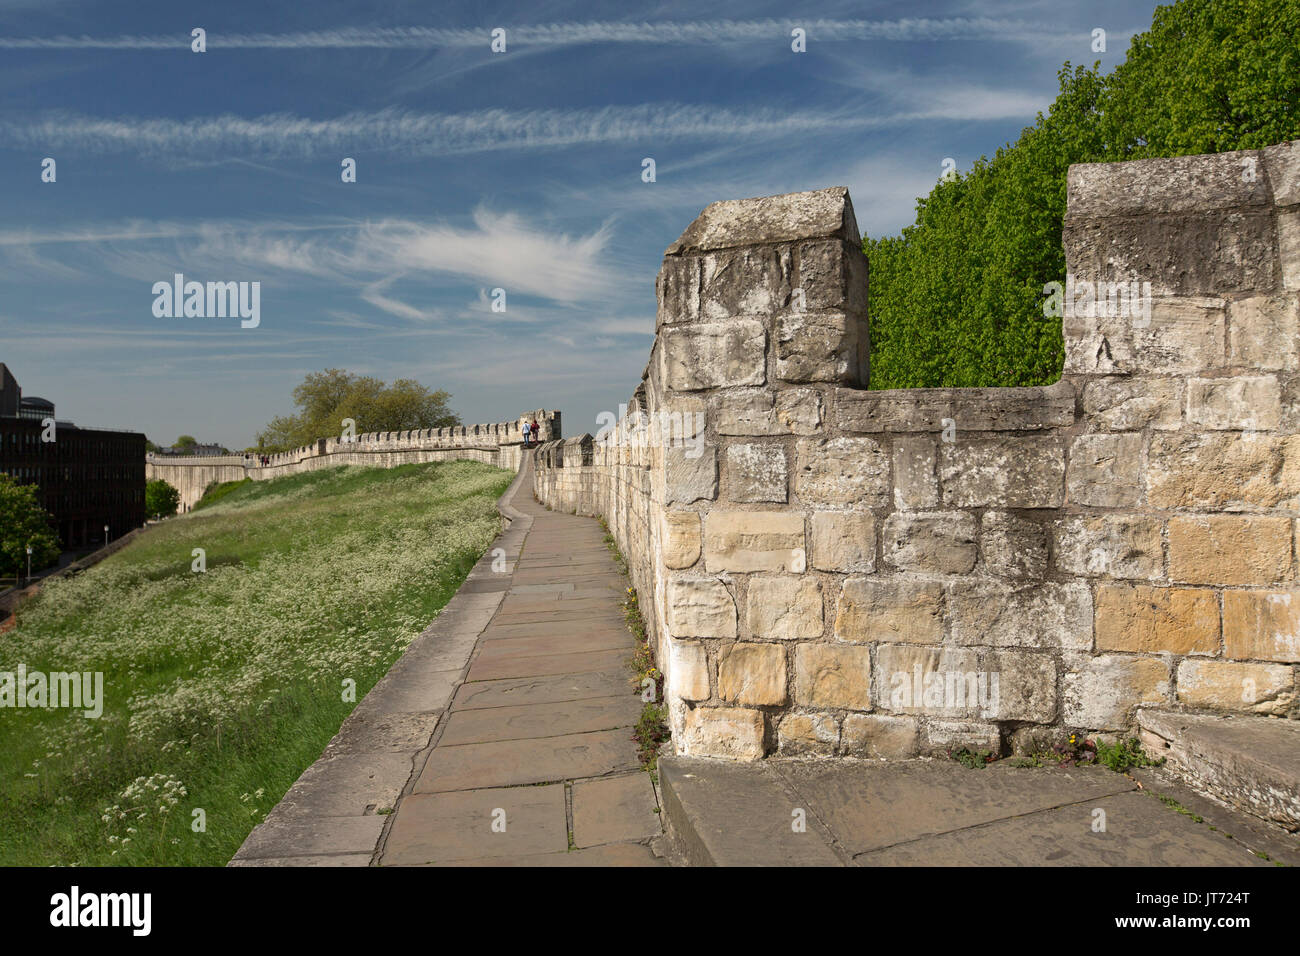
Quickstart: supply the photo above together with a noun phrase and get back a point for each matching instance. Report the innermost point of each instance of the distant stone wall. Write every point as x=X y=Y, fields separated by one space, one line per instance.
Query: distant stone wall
x=499 y=444
x=832 y=570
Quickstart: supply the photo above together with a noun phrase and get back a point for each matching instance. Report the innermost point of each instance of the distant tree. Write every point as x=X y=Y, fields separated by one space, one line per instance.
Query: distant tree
x=24 y=522
x=150 y=446
x=185 y=443
x=325 y=399
x=160 y=498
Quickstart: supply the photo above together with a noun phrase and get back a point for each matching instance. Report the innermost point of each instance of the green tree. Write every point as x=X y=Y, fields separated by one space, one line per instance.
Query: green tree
x=186 y=443
x=24 y=523
x=956 y=299
x=324 y=399
x=160 y=498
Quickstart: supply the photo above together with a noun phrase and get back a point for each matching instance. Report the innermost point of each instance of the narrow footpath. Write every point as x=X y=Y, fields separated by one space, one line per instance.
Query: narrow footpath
x=534 y=762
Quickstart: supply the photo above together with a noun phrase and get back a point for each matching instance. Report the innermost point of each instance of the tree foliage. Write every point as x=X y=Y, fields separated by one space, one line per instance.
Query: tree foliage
x=24 y=522
x=956 y=299
x=160 y=498
x=325 y=399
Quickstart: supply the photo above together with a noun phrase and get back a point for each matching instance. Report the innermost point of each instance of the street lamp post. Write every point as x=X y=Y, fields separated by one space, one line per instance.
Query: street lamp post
x=29 y=564
x=105 y=534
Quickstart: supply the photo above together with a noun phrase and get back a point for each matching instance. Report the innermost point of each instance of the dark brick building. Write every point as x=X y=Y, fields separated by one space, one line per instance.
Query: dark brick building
x=88 y=477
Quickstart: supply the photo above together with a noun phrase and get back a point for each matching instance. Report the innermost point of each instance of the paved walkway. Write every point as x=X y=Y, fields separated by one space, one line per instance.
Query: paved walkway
x=503 y=736
x=534 y=763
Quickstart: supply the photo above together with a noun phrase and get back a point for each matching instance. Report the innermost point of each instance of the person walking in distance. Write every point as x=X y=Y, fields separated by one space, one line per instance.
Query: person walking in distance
x=527 y=430
x=537 y=435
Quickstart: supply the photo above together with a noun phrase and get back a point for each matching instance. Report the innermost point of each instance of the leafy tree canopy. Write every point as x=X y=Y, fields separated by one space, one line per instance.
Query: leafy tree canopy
x=325 y=399
x=24 y=522
x=160 y=498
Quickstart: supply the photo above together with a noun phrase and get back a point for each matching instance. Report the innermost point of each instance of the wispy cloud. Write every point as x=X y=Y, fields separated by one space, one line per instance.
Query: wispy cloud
x=437 y=134
x=499 y=249
x=569 y=34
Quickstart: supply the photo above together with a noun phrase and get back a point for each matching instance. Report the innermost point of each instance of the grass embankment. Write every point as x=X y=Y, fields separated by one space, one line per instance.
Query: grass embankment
x=221 y=687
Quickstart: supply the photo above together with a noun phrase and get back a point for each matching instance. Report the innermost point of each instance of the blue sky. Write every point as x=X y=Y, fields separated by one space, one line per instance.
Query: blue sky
x=475 y=170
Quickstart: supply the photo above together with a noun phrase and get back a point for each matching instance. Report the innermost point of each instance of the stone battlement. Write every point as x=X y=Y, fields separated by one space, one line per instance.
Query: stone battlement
x=827 y=569
x=499 y=444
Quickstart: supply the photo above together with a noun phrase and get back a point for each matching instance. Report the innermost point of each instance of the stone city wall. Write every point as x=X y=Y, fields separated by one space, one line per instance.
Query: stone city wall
x=499 y=444
x=833 y=570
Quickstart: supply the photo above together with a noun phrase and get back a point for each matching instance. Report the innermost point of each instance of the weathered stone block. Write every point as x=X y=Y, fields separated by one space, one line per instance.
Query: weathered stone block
x=1131 y=404
x=1155 y=620
x=1181 y=335
x=756 y=472
x=1002 y=473
x=689 y=476
x=818 y=347
x=681 y=538
x=1190 y=184
x=954 y=682
x=688 y=671
x=915 y=483
x=767 y=412
x=1105 y=470
x=1262 y=625
x=752 y=674
x=1204 y=252
x=754 y=541
x=699 y=607
x=1282 y=161
x=843 y=541
x=833 y=275
x=889 y=609
x=959 y=409
x=1251 y=402
x=1101 y=693
x=1013 y=546
x=817 y=214
x=1117 y=546
x=880 y=735
x=842 y=471
x=1288 y=240
x=1224 y=472
x=931 y=541
x=785 y=608
x=944 y=736
x=734 y=732
x=809 y=734
x=1264 y=332
x=709 y=355
x=833 y=676
x=1229 y=549
x=1228 y=685
x=998 y=614
x=755 y=281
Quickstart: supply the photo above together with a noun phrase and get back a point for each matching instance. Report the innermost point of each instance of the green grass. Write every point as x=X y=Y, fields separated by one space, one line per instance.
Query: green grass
x=222 y=687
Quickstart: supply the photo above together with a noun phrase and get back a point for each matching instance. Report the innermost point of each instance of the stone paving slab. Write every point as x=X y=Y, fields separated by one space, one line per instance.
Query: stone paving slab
x=928 y=813
x=540 y=720
x=527 y=665
x=615 y=810
x=542 y=690
x=581 y=642
x=1139 y=831
x=614 y=854
x=509 y=763
x=443 y=827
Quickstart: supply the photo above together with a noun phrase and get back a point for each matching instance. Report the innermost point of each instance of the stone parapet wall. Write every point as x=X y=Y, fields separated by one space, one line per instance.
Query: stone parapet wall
x=499 y=444
x=833 y=570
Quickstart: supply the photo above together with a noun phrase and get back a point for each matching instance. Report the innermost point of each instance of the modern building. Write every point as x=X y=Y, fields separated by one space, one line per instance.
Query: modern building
x=88 y=478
